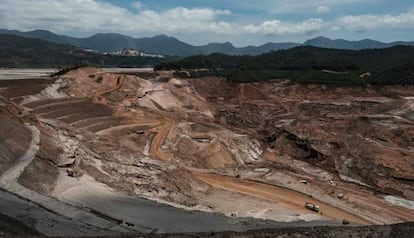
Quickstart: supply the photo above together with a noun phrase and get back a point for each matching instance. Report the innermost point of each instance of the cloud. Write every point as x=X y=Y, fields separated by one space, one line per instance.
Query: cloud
x=137 y=5
x=223 y=28
x=98 y=16
x=322 y=9
x=90 y=16
x=277 y=27
x=296 y=7
x=362 y=23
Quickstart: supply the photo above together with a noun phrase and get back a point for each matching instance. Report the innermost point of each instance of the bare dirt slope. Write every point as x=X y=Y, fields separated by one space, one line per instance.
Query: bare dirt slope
x=14 y=140
x=213 y=146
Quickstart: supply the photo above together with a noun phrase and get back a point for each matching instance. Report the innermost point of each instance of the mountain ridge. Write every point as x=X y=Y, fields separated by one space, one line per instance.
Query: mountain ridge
x=23 y=52
x=168 y=45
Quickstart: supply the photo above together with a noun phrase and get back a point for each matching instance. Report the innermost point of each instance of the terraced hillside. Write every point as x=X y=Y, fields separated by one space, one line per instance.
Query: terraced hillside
x=116 y=153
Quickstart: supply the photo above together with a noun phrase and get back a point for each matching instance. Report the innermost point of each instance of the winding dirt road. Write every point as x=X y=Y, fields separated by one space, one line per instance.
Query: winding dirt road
x=162 y=132
x=287 y=197
x=99 y=98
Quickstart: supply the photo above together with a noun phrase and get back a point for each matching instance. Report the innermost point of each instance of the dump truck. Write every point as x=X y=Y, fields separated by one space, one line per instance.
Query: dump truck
x=312 y=207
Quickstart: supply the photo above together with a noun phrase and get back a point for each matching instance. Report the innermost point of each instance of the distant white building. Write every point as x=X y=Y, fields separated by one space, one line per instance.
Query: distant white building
x=135 y=53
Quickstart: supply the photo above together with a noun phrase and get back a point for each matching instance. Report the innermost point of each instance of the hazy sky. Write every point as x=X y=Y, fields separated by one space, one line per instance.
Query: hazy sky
x=241 y=22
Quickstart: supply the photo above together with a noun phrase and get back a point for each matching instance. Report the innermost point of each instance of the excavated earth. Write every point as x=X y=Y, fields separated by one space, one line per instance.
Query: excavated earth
x=108 y=153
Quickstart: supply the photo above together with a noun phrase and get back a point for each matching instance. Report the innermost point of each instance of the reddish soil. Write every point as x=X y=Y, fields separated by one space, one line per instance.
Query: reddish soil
x=275 y=194
x=178 y=141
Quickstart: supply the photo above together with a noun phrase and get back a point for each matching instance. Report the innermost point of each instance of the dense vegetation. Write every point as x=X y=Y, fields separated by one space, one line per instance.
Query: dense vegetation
x=308 y=64
x=19 y=52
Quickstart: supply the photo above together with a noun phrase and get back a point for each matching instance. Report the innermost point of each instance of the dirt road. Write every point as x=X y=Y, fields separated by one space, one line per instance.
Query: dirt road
x=119 y=81
x=159 y=138
x=150 y=216
x=287 y=197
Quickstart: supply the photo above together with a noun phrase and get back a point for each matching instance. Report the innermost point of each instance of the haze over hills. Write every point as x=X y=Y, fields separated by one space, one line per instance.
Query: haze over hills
x=167 y=45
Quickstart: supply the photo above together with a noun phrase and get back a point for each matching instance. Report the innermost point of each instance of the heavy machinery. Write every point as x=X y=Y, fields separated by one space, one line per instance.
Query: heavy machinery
x=312 y=207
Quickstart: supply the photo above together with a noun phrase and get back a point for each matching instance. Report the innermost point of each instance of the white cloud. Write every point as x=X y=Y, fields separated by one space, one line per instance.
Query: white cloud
x=94 y=16
x=323 y=9
x=222 y=28
x=137 y=5
x=363 y=23
x=277 y=27
x=297 y=6
x=91 y=15
x=88 y=16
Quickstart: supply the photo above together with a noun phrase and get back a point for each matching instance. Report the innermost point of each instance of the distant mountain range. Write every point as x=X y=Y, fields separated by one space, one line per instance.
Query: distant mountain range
x=324 y=42
x=160 y=44
x=166 y=45
x=21 y=52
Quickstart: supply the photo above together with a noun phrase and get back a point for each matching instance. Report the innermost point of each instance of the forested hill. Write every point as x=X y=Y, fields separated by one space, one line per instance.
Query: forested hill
x=167 y=45
x=307 y=64
x=21 y=52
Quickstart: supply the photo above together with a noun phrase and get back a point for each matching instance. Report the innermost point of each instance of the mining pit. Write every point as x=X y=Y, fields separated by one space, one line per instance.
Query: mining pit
x=101 y=152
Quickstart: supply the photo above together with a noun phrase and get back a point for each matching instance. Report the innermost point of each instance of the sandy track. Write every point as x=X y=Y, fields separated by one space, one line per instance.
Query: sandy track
x=9 y=182
x=120 y=127
x=53 y=103
x=287 y=197
x=150 y=216
x=290 y=198
x=119 y=81
x=159 y=138
x=272 y=193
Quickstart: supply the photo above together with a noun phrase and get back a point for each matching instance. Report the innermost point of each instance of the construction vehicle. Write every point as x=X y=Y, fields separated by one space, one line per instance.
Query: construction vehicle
x=312 y=207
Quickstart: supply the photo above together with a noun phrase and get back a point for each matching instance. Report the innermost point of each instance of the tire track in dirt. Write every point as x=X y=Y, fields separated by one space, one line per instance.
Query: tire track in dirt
x=162 y=132
x=290 y=198
x=284 y=196
x=99 y=98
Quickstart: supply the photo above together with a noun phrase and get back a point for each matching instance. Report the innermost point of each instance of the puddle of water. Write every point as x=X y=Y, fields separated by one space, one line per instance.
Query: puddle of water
x=7 y=74
x=400 y=202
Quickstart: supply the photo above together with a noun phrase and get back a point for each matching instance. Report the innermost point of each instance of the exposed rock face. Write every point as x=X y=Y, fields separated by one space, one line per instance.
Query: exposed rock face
x=359 y=134
x=208 y=146
x=290 y=144
x=201 y=143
